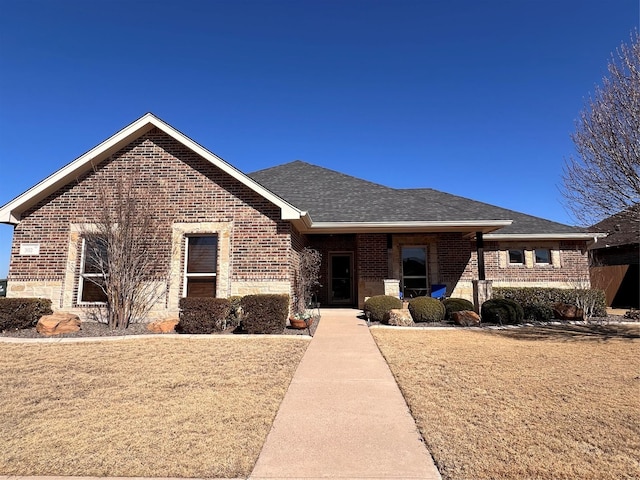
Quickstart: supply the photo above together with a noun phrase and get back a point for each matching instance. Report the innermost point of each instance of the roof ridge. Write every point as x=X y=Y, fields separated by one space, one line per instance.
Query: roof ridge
x=325 y=169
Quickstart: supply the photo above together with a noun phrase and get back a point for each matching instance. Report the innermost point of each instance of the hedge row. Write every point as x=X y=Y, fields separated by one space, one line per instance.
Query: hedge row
x=253 y=313
x=18 y=313
x=537 y=303
x=508 y=305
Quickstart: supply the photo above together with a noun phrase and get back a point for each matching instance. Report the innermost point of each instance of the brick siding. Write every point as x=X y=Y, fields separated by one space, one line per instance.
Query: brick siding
x=183 y=188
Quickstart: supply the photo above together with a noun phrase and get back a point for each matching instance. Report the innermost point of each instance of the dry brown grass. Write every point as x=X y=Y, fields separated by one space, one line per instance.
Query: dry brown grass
x=152 y=407
x=519 y=404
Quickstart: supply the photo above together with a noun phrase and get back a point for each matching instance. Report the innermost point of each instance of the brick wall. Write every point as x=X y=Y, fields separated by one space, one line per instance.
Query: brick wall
x=183 y=188
x=372 y=265
x=372 y=256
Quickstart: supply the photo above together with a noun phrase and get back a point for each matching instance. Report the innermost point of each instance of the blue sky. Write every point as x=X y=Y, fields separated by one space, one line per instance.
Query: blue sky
x=475 y=98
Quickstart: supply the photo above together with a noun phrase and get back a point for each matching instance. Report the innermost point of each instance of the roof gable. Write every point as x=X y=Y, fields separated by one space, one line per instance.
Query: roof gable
x=11 y=212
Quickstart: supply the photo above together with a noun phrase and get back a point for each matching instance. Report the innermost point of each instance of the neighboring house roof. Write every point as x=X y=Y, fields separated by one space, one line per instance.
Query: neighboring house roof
x=623 y=228
x=333 y=198
x=11 y=212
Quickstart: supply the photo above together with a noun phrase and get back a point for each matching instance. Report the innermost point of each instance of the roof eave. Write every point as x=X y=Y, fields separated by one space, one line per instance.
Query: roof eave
x=406 y=227
x=592 y=236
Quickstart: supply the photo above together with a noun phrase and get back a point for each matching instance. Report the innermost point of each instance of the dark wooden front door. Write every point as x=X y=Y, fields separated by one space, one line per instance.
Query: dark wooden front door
x=341 y=278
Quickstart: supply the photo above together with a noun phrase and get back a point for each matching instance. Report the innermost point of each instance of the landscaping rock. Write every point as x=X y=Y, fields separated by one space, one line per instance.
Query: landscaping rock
x=163 y=326
x=566 y=311
x=465 y=318
x=400 y=317
x=58 y=323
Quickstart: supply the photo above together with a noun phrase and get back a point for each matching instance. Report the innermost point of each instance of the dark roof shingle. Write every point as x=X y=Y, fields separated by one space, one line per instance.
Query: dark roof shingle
x=331 y=196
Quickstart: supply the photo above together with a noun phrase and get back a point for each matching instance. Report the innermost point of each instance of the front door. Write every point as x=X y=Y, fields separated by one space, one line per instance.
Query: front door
x=341 y=278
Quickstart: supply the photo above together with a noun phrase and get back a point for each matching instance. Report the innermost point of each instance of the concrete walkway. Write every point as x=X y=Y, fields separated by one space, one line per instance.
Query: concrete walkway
x=343 y=415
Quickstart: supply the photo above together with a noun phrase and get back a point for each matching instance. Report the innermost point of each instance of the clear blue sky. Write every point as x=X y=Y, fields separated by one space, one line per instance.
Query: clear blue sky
x=475 y=98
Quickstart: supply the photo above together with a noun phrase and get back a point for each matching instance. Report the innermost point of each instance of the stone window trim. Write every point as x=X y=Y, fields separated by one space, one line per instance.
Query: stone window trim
x=71 y=286
x=84 y=276
x=544 y=254
x=513 y=254
x=192 y=276
x=179 y=234
x=529 y=255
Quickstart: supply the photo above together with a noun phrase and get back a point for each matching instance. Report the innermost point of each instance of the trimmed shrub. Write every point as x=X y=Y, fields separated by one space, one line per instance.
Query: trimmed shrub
x=265 y=313
x=502 y=310
x=203 y=315
x=426 y=309
x=19 y=313
x=537 y=312
x=456 y=305
x=379 y=306
x=593 y=301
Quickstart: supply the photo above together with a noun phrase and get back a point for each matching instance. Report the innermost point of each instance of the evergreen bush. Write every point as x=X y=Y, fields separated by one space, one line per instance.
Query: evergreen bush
x=265 y=313
x=379 y=306
x=426 y=309
x=19 y=313
x=202 y=315
x=503 y=311
x=456 y=305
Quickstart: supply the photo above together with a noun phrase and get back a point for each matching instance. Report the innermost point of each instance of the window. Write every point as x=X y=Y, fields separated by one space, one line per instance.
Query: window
x=542 y=256
x=516 y=257
x=201 y=255
x=414 y=271
x=93 y=271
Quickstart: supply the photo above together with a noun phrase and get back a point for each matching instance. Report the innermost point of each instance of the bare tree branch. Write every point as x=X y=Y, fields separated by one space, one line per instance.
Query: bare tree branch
x=603 y=178
x=123 y=247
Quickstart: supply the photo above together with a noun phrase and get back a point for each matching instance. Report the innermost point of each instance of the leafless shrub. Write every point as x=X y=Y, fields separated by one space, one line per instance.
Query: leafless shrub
x=307 y=278
x=122 y=246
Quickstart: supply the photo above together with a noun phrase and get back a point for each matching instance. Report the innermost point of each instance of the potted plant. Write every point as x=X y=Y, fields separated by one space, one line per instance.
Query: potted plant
x=301 y=319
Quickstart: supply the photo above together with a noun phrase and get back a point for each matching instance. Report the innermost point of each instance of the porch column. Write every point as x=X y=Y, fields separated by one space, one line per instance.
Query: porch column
x=482 y=288
x=392 y=287
x=480 y=251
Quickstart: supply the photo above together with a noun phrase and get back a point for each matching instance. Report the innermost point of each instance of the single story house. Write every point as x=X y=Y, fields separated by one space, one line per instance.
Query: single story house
x=251 y=228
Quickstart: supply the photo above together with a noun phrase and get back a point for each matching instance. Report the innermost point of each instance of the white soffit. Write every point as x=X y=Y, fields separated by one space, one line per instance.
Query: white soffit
x=545 y=236
x=399 y=227
x=10 y=213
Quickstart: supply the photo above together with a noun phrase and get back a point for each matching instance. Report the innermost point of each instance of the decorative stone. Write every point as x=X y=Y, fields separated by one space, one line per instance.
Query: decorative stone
x=566 y=311
x=163 y=326
x=400 y=317
x=58 y=323
x=465 y=318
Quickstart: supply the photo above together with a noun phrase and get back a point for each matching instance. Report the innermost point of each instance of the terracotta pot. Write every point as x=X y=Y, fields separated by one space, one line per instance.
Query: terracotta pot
x=300 y=323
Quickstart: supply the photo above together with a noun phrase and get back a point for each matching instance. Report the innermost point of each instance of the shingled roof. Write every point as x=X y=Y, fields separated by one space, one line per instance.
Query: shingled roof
x=623 y=228
x=331 y=196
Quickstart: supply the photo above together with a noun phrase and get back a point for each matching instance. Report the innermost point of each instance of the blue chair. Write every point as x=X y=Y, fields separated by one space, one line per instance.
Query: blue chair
x=438 y=290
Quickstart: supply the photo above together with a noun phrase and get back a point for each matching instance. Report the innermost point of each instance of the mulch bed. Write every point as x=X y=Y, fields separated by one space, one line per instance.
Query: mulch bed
x=593 y=321
x=94 y=329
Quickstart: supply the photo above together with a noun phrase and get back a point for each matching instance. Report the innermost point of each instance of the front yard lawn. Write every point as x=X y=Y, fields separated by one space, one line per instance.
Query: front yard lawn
x=539 y=403
x=150 y=407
